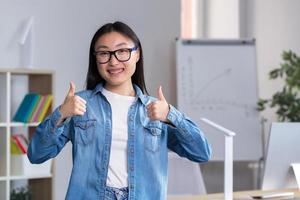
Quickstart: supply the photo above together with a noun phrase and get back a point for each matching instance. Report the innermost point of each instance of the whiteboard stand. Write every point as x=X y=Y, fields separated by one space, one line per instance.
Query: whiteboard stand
x=228 y=67
x=296 y=168
x=228 y=161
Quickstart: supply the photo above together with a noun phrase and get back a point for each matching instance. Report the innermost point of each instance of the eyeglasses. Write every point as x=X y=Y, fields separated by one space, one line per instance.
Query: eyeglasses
x=122 y=55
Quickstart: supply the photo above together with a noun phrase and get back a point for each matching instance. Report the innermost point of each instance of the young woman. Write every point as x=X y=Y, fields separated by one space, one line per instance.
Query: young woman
x=120 y=135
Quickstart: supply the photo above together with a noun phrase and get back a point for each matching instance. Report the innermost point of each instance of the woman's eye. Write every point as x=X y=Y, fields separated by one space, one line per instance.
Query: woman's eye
x=103 y=53
x=122 y=51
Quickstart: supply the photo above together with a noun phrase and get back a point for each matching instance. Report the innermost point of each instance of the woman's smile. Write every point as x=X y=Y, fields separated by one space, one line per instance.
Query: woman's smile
x=115 y=71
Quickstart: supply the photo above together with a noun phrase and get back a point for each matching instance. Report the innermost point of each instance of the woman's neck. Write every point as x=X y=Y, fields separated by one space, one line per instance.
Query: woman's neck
x=125 y=89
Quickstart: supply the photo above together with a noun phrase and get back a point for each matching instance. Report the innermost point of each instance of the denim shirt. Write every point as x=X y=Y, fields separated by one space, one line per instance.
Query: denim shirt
x=148 y=145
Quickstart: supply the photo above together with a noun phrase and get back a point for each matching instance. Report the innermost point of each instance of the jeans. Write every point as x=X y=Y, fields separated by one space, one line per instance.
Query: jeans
x=112 y=193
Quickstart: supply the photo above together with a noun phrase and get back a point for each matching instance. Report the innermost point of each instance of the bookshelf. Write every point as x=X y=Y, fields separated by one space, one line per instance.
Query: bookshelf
x=38 y=81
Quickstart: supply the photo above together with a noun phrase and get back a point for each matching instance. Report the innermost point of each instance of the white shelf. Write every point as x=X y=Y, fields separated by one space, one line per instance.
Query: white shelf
x=21 y=177
x=39 y=81
x=30 y=176
x=19 y=124
x=25 y=71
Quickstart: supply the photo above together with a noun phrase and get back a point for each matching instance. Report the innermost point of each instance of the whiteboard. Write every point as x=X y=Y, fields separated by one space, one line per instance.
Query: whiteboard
x=217 y=79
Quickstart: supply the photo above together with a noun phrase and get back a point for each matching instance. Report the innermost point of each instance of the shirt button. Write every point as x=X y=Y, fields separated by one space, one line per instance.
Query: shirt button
x=131 y=168
x=131 y=151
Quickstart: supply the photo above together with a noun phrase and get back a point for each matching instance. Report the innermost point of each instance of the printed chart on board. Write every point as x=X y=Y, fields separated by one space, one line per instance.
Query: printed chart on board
x=217 y=80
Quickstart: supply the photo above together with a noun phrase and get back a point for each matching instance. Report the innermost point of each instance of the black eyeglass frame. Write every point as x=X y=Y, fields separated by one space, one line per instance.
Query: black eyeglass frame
x=114 y=53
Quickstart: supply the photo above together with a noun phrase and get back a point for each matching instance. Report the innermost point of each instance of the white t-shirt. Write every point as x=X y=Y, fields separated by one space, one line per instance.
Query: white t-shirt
x=117 y=168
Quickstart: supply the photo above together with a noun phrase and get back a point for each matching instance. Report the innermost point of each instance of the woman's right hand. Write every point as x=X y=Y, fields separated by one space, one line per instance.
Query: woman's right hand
x=72 y=105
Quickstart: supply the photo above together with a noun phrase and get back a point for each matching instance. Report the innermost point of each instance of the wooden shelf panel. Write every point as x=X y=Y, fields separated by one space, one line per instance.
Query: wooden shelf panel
x=41 y=188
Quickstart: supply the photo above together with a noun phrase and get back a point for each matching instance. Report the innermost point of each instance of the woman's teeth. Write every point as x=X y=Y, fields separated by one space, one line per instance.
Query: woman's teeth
x=115 y=71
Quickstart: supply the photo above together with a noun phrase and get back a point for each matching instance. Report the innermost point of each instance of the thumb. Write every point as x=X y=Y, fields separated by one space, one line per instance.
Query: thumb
x=71 y=91
x=161 y=96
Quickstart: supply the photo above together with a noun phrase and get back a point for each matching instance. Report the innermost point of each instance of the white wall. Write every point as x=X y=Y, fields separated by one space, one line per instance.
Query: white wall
x=275 y=25
x=218 y=19
x=62 y=34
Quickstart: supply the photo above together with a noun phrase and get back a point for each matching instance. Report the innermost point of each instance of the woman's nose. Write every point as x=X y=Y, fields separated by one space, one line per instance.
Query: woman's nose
x=113 y=60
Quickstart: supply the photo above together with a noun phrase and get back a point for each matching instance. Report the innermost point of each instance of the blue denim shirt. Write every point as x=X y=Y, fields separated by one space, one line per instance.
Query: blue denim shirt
x=148 y=144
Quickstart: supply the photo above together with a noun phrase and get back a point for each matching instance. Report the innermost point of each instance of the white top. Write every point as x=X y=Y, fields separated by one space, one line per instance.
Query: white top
x=117 y=168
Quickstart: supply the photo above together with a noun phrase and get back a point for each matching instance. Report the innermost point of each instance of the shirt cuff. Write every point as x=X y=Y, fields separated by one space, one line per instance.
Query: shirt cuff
x=174 y=116
x=56 y=115
x=177 y=118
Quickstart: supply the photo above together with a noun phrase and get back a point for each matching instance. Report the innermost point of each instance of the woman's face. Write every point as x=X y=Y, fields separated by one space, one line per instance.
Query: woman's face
x=116 y=72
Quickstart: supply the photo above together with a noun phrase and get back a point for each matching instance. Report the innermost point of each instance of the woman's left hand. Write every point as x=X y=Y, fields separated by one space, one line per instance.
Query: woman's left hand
x=159 y=109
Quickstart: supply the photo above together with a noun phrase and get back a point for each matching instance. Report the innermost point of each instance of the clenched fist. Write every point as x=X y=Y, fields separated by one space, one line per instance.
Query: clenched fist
x=159 y=109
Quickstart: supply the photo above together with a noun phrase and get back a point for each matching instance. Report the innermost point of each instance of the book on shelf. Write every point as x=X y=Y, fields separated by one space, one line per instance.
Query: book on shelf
x=45 y=108
x=39 y=107
x=14 y=148
x=33 y=108
x=19 y=144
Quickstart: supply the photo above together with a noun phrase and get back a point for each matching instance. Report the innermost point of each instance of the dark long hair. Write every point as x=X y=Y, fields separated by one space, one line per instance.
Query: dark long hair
x=93 y=76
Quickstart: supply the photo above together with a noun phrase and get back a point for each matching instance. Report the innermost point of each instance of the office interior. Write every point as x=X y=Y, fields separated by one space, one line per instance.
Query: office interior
x=61 y=34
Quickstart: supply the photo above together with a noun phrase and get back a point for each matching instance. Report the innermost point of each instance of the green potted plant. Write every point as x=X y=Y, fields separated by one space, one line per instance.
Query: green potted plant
x=22 y=193
x=287 y=100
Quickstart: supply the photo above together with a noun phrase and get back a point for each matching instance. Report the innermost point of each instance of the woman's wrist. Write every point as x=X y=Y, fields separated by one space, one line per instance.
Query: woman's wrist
x=62 y=116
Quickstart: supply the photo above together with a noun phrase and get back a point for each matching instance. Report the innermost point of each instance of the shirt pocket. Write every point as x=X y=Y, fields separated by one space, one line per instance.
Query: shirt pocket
x=152 y=135
x=85 y=131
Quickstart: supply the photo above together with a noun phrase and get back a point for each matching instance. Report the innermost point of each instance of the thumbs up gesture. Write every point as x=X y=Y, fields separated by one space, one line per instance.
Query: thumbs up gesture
x=72 y=105
x=159 y=109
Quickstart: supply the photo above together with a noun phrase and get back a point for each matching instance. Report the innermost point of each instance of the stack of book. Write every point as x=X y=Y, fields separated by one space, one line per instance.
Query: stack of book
x=33 y=108
x=18 y=144
x=20 y=164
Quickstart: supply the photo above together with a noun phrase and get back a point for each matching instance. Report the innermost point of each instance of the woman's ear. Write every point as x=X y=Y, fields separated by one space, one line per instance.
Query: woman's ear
x=137 y=55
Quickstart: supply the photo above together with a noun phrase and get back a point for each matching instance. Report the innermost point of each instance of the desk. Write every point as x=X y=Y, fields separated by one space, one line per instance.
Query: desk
x=236 y=195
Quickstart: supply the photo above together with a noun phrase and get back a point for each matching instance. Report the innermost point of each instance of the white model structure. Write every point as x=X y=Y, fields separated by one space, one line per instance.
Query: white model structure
x=26 y=42
x=228 y=161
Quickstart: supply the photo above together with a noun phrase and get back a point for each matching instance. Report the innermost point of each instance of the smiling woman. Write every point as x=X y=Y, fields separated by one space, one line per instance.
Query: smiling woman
x=116 y=70
x=115 y=48
x=121 y=136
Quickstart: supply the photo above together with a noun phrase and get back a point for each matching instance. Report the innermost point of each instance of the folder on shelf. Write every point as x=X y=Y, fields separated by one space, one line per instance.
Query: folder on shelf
x=45 y=108
x=35 y=115
x=20 y=115
x=33 y=108
x=22 y=144
x=14 y=148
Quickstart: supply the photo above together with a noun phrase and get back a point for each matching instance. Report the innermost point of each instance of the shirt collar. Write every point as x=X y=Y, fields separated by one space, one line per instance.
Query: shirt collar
x=143 y=98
